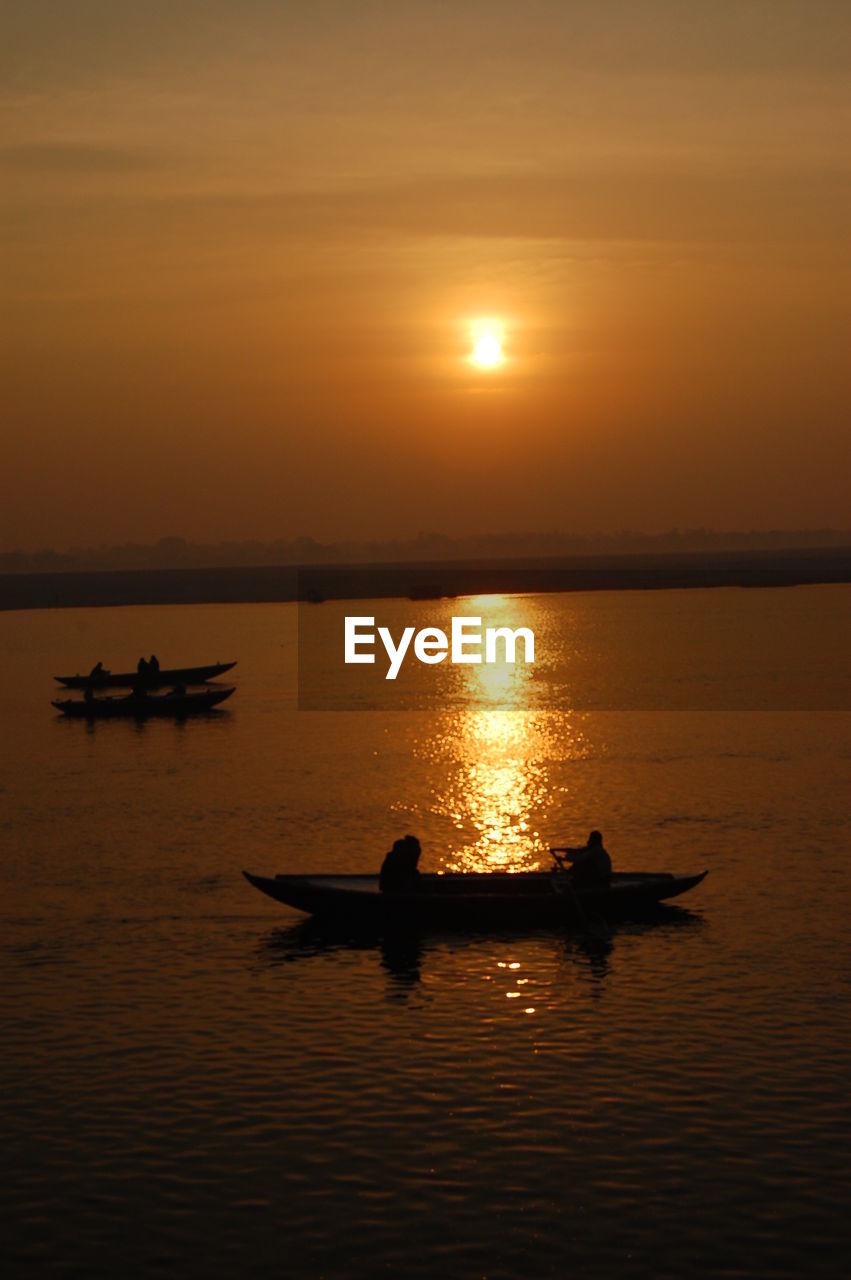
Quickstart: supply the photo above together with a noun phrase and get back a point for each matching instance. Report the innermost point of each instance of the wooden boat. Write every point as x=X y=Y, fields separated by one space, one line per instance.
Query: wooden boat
x=143 y=705
x=483 y=899
x=154 y=680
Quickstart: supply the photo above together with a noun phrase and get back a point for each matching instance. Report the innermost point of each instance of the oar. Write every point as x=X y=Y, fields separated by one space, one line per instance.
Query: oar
x=571 y=887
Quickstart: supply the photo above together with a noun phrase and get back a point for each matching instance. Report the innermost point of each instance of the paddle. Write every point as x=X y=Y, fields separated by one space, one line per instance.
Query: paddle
x=568 y=884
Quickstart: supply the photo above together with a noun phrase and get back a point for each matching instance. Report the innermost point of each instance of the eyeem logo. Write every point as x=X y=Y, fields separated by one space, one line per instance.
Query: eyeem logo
x=431 y=645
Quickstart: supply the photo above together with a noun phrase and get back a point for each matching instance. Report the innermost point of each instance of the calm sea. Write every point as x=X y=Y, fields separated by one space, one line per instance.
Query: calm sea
x=195 y=1082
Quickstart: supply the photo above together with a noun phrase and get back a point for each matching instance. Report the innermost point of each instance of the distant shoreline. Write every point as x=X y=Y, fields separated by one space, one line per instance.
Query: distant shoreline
x=421 y=581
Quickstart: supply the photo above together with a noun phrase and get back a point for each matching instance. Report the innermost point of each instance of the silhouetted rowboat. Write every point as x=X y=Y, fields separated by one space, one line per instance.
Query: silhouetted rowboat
x=143 y=705
x=154 y=680
x=526 y=898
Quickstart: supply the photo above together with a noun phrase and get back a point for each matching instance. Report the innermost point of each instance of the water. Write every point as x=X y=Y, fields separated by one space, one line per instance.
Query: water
x=196 y=1082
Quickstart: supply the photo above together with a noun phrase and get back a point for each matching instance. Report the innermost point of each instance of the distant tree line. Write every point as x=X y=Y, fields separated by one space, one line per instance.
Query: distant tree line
x=178 y=553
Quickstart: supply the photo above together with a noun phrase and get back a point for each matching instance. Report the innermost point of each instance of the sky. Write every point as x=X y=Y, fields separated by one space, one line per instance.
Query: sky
x=249 y=248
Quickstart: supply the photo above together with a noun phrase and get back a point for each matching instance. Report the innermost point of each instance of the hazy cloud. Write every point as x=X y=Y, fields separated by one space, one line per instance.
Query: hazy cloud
x=77 y=158
x=656 y=205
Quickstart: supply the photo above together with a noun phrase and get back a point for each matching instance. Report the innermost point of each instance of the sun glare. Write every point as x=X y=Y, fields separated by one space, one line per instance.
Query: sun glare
x=487 y=347
x=487 y=353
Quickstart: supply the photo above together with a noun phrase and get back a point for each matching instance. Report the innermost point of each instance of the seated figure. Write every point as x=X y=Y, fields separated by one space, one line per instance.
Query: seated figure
x=399 y=868
x=591 y=865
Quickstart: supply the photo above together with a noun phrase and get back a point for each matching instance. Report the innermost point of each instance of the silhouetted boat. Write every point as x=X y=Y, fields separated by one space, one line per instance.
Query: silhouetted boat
x=143 y=705
x=154 y=679
x=482 y=899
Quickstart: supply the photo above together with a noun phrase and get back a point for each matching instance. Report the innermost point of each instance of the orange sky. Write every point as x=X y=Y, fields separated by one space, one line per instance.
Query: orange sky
x=245 y=245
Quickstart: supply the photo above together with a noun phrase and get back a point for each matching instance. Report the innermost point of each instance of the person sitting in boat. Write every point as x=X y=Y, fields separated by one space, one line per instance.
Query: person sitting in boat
x=591 y=865
x=399 y=868
x=153 y=664
x=143 y=679
x=96 y=672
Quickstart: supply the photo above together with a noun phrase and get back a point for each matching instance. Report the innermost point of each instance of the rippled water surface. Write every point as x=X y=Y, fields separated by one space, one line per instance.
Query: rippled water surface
x=197 y=1081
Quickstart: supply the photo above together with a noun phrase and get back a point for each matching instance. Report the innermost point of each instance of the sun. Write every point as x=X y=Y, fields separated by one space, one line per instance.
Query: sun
x=487 y=353
x=487 y=350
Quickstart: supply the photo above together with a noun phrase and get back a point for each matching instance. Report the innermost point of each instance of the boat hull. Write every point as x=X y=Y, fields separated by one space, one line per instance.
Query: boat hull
x=523 y=899
x=140 y=708
x=126 y=679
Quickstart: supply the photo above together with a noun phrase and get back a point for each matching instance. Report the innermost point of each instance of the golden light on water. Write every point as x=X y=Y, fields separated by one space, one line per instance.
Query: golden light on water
x=513 y=993
x=498 y=792
x=497 y=755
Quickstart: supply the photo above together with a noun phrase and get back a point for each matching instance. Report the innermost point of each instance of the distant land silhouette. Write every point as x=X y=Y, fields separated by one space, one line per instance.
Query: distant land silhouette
x=178 y=553
x=420 y=579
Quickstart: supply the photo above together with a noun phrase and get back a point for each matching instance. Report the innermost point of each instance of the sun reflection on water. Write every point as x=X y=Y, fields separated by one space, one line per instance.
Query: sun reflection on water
x=494 y=792
x=503 y=757
x=501 y=770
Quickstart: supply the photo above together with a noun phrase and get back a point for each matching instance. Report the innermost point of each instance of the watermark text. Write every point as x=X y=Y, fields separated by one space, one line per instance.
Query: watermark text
x=467 y=642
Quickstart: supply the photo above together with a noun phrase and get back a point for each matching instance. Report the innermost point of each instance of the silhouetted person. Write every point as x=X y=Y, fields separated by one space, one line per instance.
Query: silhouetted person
x=179 y=691
x=591 y=865
x=154 y=664
x=140 y=684
x=399 y=868
x=96 y=672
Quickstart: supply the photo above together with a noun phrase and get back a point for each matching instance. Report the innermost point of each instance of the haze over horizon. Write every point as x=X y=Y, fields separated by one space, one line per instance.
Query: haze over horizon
x=251 y=249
